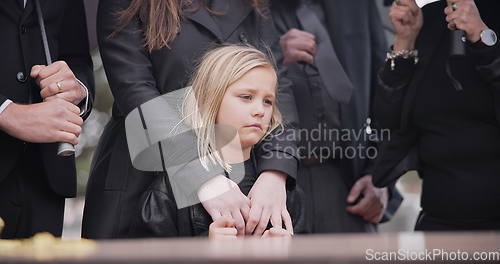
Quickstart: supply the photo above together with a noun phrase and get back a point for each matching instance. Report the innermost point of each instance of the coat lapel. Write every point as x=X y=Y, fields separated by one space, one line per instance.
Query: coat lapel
x=202 y=17
x=30 y=7
x=234 y=12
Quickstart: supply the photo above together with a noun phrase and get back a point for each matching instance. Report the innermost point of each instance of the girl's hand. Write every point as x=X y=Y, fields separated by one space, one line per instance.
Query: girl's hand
x=277 y=232
x=222 y=228
x=268 y=202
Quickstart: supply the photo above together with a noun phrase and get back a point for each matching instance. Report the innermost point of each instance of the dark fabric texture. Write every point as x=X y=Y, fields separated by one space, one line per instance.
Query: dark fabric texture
x=27 y=203
x=428 y=223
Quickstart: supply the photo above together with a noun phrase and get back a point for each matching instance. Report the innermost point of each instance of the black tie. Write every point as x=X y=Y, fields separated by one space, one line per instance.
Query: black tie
x=332 y=73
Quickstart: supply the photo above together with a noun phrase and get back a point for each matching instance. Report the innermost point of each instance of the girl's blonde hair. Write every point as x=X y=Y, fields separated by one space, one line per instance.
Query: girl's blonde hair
x=219 y=69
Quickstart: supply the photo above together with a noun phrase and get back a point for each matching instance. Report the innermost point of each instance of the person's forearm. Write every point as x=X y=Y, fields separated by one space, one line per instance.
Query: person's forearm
x=397 y=73
x=278 y=153
x=389 y=94
x=484 y=55
x=487 y=60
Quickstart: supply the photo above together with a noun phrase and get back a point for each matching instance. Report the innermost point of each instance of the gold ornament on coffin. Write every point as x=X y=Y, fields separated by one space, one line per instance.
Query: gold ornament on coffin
x=44 y=246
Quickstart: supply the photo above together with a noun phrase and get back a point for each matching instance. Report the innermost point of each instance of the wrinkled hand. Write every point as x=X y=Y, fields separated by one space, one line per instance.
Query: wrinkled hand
x=222 y=228
x=466 y=17
x=46 y=122
x=58 y=81
x=268 y=202
x=372 y=206
x=407 y=19
x=221 y=197
x=298 y=46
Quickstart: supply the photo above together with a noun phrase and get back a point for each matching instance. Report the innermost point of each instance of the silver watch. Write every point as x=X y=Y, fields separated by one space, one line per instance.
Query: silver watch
x=488 y=37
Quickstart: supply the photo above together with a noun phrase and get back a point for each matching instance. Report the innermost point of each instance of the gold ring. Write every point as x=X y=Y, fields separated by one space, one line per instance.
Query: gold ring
x=59 y=86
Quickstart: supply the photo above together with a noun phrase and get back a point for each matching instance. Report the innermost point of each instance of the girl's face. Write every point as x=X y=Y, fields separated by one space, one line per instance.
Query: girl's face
x=248 y=104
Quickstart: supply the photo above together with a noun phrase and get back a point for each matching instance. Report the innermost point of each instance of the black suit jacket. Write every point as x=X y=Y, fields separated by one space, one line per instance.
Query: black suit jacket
x=22 y=48
x=357 y=37
x=360 y=46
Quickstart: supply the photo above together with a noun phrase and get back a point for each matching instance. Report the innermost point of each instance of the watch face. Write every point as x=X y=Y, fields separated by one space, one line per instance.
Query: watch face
x=488 y=37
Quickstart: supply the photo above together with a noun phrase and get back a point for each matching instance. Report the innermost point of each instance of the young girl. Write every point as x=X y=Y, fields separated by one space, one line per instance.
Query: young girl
x=231 y=107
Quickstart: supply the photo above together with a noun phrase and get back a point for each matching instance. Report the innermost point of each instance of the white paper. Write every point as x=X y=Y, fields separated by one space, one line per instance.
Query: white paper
x=422 y=3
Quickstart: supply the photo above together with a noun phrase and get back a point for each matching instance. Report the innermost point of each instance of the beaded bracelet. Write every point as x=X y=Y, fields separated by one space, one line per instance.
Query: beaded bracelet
x=402 y=54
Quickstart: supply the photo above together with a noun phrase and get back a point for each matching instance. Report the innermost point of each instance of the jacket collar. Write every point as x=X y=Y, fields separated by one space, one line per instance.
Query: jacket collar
x=234 y=12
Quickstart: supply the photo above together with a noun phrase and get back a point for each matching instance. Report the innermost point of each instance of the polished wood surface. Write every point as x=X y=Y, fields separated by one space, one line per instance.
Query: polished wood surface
x=355 y=248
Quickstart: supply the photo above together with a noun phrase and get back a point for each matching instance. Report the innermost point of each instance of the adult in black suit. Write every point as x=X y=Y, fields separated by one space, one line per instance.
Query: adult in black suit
x=38 y=111
x=138 y=73
x=444 y=111
x=332 y=49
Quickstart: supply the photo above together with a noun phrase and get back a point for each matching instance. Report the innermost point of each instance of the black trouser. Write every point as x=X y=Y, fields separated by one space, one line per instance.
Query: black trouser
x=27 y=203
x=426 y=222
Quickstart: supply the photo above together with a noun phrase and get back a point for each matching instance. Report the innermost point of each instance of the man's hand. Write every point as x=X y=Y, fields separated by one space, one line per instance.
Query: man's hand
x=221 y=197
x=46 y=122
x=268 y=202
x=466 y=17
x=407 y=19
x=58 y=81
x=222 y=228
x=372 y=206
x=298 y=46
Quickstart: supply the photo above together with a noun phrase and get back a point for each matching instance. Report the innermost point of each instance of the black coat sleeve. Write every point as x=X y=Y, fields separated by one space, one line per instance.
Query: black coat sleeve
x=487 y=60
x=2 y=99
x=125 y=59
x=279 y=152
x=390 y=90
x=74 y=48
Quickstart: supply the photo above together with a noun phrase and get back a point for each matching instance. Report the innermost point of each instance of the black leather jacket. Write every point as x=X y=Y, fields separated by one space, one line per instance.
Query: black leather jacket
x=160 y=217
